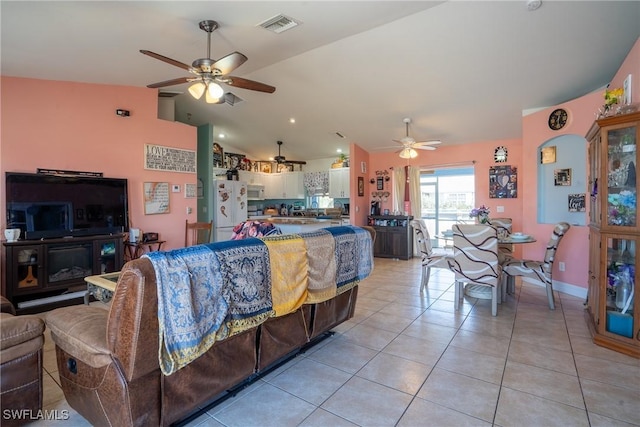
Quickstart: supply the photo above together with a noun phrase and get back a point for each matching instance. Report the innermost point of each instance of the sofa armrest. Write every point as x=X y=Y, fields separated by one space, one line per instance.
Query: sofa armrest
x=81 y=331
x=15 y=330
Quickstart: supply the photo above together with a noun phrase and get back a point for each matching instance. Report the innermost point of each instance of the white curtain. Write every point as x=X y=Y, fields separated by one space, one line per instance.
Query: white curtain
x=415 y=200
x=399 y=180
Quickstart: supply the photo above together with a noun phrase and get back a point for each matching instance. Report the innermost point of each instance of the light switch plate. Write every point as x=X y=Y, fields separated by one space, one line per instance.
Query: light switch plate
x=500 y=209
x=175 y=188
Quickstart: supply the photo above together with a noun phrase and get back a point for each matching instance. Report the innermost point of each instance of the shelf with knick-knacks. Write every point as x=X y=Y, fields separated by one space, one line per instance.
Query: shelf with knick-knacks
x=613 y=308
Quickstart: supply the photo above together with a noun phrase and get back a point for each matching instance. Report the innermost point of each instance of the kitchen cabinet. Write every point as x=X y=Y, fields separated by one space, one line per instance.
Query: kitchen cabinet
x=39 y=273
x=251 y=178
x=394 y=236
x=284 y=185
x=339 y=183
x=612 y=305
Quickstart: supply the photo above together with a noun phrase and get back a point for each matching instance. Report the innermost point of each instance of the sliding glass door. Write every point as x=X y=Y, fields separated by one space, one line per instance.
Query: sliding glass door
x=448 y=195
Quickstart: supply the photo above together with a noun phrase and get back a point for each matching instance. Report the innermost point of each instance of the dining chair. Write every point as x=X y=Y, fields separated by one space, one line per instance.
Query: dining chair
x=429 y=259
x=538 y=272
x=504 y=227
x=475 y=261
x=196 y=233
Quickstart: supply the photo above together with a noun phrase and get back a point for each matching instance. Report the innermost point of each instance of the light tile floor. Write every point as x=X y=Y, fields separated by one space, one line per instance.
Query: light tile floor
x=408 y=359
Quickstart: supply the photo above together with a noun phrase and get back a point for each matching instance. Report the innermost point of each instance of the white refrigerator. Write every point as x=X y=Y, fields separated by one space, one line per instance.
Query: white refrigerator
x=229 y=207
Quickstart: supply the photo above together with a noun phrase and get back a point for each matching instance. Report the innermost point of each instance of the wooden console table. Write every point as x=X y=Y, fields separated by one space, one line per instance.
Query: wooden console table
x=136 y=250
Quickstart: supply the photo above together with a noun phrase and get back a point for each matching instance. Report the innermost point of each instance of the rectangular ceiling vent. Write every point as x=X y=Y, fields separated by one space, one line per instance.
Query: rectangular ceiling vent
x=232 y=99
x=168 y=94
x=279 y=24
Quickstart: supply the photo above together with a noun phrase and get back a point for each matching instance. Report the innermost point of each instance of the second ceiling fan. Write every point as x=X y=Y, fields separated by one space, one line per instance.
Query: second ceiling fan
x=410 y=145
x=209 y=73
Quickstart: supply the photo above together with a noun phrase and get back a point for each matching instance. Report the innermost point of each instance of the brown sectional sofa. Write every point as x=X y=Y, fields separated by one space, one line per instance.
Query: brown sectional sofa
x=108 y=359
x=21 y=341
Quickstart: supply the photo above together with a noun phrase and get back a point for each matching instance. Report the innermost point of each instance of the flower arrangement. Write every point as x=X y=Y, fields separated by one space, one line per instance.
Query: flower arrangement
x=613 y=96
x=481 y=213
x=622 y=208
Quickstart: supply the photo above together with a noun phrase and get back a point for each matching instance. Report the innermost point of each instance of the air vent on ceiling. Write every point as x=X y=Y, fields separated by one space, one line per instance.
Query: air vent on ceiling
x=232 y=99
x=279 y=24
x=168 y=94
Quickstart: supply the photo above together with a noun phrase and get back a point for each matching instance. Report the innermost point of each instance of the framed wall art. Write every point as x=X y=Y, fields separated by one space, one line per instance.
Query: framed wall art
x=577 y=202
x=562 y=177
x=503 y=182
x=190 y=191
x=360 y=186
x=156 y=198
x=158 y=157
x=218 y=155
x=548 y=155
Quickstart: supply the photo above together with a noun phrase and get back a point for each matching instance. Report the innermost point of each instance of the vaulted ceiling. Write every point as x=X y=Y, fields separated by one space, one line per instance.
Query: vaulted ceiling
x=463 y=71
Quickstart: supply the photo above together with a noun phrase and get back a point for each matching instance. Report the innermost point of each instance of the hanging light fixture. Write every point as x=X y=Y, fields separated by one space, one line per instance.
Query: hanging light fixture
x=197 y=89
x=213 y=90
x=408 y=153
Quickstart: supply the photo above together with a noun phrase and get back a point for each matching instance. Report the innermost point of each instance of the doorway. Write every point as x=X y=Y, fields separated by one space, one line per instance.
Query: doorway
x=447 y=196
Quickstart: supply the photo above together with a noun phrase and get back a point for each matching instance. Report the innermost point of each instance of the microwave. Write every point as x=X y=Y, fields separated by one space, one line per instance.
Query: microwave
x=255 y=192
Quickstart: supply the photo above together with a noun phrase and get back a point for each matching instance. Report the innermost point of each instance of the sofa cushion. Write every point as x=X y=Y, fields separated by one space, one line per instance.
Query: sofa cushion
x=82 y=333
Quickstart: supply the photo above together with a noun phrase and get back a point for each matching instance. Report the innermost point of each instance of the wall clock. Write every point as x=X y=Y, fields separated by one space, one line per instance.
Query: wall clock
x=500 y=154
x=558 y=118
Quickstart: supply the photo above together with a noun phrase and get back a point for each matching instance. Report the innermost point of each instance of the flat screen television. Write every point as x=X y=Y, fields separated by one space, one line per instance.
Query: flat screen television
x=49 y=206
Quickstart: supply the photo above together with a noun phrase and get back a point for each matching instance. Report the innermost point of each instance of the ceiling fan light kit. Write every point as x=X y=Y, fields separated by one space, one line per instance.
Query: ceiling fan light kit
x=408 y=153
x=409 y=144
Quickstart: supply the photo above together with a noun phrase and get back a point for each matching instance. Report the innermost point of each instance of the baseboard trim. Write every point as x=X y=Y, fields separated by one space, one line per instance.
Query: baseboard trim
x=565 y=288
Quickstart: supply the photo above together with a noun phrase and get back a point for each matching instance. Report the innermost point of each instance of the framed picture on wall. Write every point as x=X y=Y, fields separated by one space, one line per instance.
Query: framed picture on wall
x=503 y=182
x=562 y=177
x=548 y=155
x=156 y=198
x=360 y=186
x=577 y=202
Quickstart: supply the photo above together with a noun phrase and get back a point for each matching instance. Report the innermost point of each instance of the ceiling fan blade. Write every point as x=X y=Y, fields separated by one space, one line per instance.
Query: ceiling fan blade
x=248 y=84
x=167 y=60
x=295 y=162
x=422 y=143
x=172 y=82
x=423 y=147
x=228 y=63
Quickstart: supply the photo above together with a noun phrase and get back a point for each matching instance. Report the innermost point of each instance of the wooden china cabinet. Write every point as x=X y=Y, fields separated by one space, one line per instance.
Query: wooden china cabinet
x=613 y=307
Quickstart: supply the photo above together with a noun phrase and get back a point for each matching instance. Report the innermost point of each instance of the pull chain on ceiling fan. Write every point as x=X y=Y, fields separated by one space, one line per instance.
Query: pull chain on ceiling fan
x=409 y=145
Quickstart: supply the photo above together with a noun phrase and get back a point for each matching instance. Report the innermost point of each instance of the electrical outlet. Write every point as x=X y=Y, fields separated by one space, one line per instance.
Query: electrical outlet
x=500 y=209
x=561 y=266
x=189 y=210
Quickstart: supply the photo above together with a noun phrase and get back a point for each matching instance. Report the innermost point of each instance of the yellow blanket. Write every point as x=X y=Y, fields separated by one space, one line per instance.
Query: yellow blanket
x=289 y=272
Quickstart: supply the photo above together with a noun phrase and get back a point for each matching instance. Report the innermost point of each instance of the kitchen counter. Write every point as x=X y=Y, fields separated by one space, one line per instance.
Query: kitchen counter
x=289 y=225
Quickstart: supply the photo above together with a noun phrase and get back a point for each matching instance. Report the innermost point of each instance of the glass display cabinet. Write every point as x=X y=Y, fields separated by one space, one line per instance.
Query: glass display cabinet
x=612 y=305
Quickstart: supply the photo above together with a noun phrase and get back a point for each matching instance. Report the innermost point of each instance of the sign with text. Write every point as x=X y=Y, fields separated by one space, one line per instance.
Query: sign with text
x=157 y=157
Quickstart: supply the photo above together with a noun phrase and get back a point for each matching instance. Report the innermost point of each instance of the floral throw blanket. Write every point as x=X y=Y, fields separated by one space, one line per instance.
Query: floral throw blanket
x=207 y=293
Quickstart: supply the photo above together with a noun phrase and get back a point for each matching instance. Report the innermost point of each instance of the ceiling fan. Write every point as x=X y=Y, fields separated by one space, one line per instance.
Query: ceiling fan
x=409 y=145
x=209 y=73
x=280 y=159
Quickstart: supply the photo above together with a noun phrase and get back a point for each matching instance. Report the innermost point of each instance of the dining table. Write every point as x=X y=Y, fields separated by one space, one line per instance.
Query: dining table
x=480 y=291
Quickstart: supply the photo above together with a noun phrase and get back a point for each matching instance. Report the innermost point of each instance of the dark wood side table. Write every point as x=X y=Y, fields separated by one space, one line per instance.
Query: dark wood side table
x=136 y=250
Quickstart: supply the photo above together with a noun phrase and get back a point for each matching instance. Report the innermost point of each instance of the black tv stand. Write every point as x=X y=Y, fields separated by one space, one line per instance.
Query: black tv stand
x=42 y=274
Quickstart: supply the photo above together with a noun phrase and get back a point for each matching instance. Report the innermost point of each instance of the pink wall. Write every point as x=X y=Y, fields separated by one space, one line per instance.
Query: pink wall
x=73 y=126
x=481 y=153
x=574 y=250
x=359 y=205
